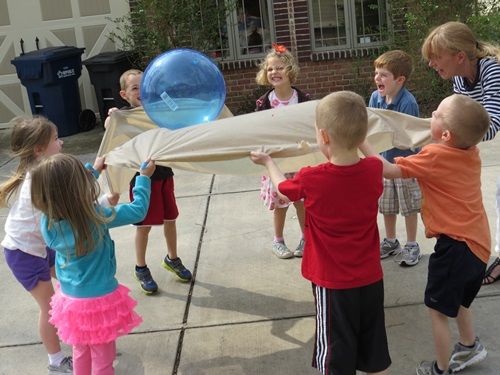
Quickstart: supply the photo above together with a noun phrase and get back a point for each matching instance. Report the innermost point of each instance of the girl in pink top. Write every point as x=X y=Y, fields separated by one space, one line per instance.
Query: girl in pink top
x=279 y=70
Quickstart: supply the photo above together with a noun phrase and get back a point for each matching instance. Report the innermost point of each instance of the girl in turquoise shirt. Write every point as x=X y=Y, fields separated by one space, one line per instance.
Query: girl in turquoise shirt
x=90 y=309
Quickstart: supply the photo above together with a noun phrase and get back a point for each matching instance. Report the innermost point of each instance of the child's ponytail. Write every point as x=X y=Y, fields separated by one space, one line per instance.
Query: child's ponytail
x=27 y=134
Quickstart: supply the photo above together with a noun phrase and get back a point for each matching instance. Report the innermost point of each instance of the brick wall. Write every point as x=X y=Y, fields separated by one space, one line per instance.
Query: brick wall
x=318 y=78
x=321 y=73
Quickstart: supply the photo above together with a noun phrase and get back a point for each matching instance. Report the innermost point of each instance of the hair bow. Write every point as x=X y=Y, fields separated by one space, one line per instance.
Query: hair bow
x=279 y=48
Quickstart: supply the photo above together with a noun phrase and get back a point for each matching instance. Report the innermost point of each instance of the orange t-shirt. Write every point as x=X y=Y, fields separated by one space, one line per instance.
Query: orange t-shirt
x=452 y=204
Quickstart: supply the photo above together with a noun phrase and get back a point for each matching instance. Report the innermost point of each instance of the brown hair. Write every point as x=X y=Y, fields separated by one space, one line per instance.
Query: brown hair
x=27 y=134
x=63 y=189
x=343 y=114
x=454 y=37
x=467 y=120
x=398 y=62
x=291 y=66
x=123 y=77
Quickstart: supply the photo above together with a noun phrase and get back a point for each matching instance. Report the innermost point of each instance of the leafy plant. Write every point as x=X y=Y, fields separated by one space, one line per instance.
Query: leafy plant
x=155 y=26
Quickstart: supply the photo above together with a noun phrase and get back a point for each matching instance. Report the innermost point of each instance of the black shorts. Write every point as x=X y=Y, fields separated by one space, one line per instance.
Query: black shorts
x=454 y=278
x=350 y=330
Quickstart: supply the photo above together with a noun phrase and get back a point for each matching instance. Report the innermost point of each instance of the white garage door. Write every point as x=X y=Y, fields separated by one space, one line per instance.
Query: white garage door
x=79 y=23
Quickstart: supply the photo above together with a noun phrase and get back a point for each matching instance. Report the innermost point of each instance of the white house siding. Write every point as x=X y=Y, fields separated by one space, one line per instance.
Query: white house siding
x=80 y=23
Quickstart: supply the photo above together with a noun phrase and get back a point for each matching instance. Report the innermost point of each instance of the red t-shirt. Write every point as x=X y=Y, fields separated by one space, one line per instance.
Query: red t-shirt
x=341 y=233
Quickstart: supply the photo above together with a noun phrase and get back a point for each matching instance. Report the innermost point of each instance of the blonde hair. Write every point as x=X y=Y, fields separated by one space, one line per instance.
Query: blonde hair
x=398 y=62
x=454 y=37
x=467 y=120
x=343 y=114
x=291 y=67
x=124 y=76
x=63 y=189
x=28 y=134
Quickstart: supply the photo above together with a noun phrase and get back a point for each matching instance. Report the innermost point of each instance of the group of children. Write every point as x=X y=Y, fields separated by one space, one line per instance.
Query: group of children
x=344 y=194
x=58 y=220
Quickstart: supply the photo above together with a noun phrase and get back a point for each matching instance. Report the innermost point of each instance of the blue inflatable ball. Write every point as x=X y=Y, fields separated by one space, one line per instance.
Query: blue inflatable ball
x=182 y=87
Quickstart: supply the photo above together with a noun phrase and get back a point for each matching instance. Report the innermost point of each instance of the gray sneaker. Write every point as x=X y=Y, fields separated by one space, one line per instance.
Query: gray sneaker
x=409 y=256
x=299 y=251
x=427 y=368
x=65 y=367
x=388 y=248
x=281 y=250
x=462 y=356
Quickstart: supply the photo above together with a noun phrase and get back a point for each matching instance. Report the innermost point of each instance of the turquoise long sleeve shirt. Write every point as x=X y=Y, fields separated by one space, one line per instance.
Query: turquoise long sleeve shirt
x=93 y=274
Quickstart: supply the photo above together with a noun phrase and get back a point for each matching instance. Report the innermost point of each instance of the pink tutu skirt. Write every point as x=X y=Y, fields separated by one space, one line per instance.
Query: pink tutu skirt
x=269 y=193
x=90 y=321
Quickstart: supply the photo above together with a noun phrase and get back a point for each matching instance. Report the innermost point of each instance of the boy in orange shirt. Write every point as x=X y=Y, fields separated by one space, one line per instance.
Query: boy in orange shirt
x=449 y=175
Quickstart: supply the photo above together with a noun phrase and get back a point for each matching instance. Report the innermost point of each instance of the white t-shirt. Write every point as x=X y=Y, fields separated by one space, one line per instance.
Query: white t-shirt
x=22 y=228
x=276 y=102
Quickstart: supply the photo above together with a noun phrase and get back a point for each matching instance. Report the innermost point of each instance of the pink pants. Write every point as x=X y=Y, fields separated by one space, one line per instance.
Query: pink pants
x=94 y=359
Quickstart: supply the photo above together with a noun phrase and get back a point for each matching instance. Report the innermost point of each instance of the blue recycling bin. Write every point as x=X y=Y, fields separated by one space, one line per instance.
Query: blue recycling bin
x=50 y=76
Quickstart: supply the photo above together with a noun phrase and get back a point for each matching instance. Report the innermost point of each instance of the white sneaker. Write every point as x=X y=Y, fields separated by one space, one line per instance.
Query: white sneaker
x=299 y=251
x=388 y=248
x=281 y=250
x=65 y=367
x=463 y=356
x=410 y=255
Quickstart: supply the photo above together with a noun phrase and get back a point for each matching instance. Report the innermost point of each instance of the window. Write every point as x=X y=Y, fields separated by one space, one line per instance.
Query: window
x=246 y=32
x=348 y=24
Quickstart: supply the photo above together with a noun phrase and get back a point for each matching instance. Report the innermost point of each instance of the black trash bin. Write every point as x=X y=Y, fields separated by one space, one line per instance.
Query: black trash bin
x=50 y=76
x=105 y=70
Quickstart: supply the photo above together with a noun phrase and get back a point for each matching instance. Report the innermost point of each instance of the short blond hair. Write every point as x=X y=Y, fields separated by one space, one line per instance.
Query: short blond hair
x=124 y=76
x=467 y=120
x=343 y=115
x=291 y=67
x=398 y=62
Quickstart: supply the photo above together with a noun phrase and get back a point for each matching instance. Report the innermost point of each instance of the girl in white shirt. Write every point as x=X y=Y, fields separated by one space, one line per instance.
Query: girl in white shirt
x=31 y=262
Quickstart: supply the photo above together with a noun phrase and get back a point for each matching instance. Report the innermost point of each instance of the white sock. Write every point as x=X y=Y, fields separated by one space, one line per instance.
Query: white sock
x=392 y=240
x=56 y=358
x=412 y=243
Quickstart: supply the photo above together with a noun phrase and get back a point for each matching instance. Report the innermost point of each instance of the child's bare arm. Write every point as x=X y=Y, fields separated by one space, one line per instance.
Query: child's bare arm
x=267 y=161
x=113 y=198
x=390 y=170
x=110 y=111
x=274 y=172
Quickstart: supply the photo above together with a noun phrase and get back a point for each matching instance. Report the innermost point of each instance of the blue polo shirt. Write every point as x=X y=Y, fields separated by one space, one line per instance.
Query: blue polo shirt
x=404 y=102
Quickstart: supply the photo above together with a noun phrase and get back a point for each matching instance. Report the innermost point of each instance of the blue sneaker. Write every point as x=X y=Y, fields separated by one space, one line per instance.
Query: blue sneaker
x=176 y=266
x=148 y=285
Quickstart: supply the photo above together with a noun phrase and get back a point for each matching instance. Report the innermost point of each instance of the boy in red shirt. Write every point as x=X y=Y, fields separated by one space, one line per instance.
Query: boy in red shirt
x=449 y=175
x=341 y=256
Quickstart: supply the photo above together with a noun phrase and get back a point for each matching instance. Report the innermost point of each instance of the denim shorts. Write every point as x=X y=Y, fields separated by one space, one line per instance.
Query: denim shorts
x=29 y=269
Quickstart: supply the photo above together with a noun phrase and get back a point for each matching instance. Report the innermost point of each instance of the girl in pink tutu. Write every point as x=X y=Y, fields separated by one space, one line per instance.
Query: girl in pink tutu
x=279 y=70
x=89 y=309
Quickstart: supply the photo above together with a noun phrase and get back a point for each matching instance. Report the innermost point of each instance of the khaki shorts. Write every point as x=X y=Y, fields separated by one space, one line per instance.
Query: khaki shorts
x=400 y=196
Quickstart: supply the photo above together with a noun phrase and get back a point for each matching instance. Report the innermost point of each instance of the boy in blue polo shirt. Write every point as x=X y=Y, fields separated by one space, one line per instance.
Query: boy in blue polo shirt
x=392 y=70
